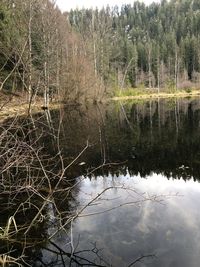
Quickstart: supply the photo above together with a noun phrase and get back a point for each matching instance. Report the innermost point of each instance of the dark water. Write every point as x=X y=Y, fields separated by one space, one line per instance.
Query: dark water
x=143 y=162
x=152 y=206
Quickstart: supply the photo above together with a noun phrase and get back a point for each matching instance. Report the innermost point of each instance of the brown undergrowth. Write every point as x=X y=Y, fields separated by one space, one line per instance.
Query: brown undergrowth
x=12 y=105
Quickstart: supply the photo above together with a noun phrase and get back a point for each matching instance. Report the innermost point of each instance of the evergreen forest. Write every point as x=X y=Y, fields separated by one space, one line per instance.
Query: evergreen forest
x=84 y=54
x=143 y=46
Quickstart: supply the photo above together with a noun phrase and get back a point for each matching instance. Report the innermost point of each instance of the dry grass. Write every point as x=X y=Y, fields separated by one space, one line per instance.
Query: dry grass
x=160 y=95
x=17 y=105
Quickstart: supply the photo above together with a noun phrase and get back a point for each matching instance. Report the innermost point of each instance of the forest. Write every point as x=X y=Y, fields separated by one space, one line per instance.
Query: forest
x=143 y=46
x=40 y=54
x=88 y=54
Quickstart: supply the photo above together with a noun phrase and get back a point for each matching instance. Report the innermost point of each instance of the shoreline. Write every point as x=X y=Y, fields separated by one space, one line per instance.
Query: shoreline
x=19 y=107
x=12 y=110
x=158 y=95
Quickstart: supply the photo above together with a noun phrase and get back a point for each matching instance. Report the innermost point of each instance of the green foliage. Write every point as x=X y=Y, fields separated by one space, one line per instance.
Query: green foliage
x=170 y=86
x=141 y=86
x=135 y=46
x=4 y=21
x=188 y=90
x=130 y=92
x=153 y=41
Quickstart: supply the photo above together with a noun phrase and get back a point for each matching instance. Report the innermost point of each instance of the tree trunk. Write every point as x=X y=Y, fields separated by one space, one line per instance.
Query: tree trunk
x=30 y=54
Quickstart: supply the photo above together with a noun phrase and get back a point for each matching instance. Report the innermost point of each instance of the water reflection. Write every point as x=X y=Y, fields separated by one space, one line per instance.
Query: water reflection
x=159 y=141
x=144 y=155
x=169 y=230
x=159 y=136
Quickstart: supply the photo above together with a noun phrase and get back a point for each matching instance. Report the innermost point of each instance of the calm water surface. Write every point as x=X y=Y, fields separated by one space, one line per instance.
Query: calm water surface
x=137 y=185
x=150 y=154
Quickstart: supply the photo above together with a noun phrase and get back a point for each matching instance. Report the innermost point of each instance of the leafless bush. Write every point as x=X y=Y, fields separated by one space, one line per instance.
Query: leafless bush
x=33 y=183
x=186 y=85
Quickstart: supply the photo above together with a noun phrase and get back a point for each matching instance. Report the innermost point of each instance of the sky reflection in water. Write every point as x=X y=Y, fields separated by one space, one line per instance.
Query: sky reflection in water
x=159 y=141
x=169 y=229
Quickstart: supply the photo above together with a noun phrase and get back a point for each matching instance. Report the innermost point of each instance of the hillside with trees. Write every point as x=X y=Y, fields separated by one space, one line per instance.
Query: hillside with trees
x=39 y=53
x=143 y=46
x=84 y=54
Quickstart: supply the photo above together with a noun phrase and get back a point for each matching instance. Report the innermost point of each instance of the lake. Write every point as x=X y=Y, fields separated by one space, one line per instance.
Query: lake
x=135 y=193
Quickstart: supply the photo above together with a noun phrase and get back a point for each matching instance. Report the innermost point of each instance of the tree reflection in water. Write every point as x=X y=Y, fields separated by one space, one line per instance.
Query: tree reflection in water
x=41 y=166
